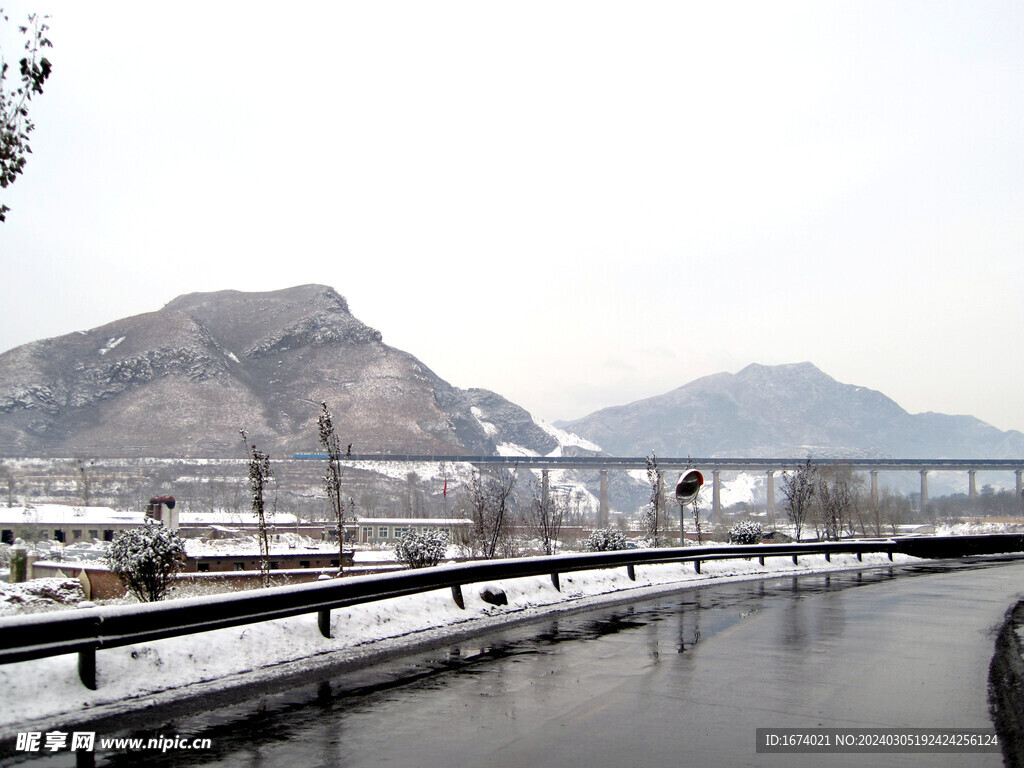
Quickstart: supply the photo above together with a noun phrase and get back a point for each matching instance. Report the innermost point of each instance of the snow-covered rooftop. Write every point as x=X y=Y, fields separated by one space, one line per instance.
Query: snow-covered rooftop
x=280 y=544
x=417 y=521
x=64 y=515
x=224 y=517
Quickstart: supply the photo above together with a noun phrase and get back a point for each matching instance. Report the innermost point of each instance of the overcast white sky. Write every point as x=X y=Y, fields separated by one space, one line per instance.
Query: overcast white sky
x=573 y=204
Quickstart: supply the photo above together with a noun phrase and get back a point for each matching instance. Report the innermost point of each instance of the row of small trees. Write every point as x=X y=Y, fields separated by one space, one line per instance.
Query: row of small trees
x=829 y=500
x=260 y=476
x=490 y=502
x=493 y=503
x=146 y=558
x=832 y=501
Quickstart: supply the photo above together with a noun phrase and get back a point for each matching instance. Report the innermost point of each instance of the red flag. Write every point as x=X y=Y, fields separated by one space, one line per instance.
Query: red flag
x=445 y=491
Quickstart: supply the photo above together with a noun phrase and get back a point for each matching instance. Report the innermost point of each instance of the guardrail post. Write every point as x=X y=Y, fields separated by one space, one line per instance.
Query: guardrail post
x=828 y=557
x=554 y=581
x=696 y=566
x=631 y=572
x=889 y=553
x=87 y=667
x=860 y=557
x=794 y=560
x=457 y=596
x=760 y=560
x=323 y=621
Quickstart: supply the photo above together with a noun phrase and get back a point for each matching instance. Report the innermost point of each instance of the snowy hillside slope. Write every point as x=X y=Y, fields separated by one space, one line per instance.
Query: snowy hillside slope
x=787 y=410
x=182 y=381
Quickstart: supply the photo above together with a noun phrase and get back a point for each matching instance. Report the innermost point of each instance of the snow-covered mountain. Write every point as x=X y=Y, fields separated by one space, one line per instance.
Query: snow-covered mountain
x=787 y=410
x=182 y=381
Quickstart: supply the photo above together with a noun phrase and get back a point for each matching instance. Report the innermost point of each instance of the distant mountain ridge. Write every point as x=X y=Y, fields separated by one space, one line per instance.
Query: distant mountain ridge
x=787 y=410
x=183 y=380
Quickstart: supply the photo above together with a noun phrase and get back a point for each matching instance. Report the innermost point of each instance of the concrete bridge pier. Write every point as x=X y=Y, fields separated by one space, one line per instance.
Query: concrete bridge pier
x=924 y=490
x=874 y=488
x=770 y=487
x=1020 y=490
x=972 y=490
x=545 y=488
x=602 y=509
x=716 y=493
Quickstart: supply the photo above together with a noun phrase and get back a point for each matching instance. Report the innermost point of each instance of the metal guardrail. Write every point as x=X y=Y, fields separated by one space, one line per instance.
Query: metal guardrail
x=87 y=630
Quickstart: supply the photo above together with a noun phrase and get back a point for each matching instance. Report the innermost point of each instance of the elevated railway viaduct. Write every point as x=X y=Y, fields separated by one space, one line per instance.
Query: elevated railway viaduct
x=715 y=466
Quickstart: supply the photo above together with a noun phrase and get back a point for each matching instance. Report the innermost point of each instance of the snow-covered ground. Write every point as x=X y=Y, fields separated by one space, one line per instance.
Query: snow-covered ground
x=44 y=693
x=976 y=527
x=38 y=595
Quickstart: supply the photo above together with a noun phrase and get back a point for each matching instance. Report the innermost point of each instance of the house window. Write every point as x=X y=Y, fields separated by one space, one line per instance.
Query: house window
x=274 y=565
x=58 y=535
x=108 y=535
x=202 y=567
x=334 y=563
x=94 y=534
x=239 y=566
x=8 y=536
x=303 y=563
x=399 y=532
x=382 y=532
x=76 y=533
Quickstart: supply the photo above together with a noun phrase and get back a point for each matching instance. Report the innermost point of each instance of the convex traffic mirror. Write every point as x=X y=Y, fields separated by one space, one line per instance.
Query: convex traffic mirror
x=689 y=486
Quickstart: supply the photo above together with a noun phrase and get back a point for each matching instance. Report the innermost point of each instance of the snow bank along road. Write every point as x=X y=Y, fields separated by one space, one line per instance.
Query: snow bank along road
x=47 y=692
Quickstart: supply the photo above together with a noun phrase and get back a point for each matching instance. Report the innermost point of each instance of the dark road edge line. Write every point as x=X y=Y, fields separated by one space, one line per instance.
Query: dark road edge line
x=1006 y=687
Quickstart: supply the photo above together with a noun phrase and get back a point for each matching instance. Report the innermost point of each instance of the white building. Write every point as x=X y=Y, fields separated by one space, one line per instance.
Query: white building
x=67 y=524
x=386 y=530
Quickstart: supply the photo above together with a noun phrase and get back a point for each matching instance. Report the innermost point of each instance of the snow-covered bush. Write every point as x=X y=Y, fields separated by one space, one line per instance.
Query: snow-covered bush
x=145 y=558
x=745 y=532
x=604 y=539
x=421 y=549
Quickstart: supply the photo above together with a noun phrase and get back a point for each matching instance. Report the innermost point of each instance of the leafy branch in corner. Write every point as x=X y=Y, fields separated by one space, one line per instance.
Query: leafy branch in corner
x=15 y=124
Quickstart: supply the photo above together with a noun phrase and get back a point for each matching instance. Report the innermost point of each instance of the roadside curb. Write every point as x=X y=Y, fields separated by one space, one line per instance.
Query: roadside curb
x=1006 y=687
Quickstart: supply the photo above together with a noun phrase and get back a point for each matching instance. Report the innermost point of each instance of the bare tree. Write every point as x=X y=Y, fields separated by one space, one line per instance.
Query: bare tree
x=489 y=497
x=259 y=479
x=84 y=481
x=332 y=476
x=415 y=500
x=652 y=511
x=861 y=510
x=225 y=495
x=696 y=522
x=544 y=518
x=578 y=508
x=8 y=475
x=874 y=514
x=893 y=509
x=798 y=488
x=835 y=500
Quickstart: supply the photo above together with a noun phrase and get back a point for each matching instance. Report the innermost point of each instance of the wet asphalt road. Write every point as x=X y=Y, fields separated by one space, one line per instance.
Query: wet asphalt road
x=680 y=680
